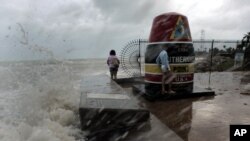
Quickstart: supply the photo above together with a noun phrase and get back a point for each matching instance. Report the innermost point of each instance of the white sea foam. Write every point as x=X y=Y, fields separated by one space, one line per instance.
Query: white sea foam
x=40 y=102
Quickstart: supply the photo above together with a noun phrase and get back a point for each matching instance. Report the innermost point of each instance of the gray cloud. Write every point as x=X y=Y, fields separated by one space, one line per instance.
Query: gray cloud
x=90 y=28
x=129 y=11
x=229 y=21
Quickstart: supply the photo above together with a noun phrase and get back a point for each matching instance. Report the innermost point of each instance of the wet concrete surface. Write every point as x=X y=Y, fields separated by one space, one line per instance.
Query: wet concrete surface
x=196 y=119
x=157 y=132
x=102 y=84
x=156 y=95
x=206 y=118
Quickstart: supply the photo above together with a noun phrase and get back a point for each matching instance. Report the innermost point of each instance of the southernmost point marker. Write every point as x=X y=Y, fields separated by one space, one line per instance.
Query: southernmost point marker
x=172 y=30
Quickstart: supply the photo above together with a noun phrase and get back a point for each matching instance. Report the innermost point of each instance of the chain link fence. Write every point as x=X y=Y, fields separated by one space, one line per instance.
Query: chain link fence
x=221 y=59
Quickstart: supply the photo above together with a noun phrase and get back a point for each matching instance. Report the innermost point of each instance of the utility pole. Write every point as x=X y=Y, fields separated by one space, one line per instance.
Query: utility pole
x=211 y=64
x=202 y=38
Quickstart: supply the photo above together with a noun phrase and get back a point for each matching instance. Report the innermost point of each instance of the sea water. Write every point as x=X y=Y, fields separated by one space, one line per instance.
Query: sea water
x=39 y=99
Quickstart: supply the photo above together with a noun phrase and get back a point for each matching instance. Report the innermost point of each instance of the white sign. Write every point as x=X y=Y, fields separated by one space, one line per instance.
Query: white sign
x=238 y=59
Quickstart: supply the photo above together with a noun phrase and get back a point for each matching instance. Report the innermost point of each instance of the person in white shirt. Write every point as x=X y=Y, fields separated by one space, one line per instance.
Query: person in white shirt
x=167 y=75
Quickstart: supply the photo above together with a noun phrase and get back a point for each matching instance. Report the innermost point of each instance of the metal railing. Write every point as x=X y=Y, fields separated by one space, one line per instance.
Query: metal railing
x=133 y=53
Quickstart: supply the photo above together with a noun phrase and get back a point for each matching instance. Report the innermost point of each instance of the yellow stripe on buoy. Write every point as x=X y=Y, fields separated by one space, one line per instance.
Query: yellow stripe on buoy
x=176 y=68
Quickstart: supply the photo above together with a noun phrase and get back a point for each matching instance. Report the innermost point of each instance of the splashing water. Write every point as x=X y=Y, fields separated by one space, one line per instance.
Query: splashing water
x=39 y=99
x=39 y=102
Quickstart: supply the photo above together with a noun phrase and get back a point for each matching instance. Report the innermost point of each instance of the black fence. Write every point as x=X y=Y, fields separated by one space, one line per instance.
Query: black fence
x=132 y=55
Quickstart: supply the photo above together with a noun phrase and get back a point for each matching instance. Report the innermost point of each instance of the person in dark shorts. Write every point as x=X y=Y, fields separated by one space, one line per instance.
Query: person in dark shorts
x=113 y=63
x=167 y=75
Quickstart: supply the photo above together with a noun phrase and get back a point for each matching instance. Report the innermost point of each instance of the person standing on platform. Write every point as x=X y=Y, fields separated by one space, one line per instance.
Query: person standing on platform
x=167 y=75
x=113 y=63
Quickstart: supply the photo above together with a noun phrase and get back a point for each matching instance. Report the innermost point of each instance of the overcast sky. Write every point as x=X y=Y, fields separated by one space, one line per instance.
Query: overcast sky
x=35 y=29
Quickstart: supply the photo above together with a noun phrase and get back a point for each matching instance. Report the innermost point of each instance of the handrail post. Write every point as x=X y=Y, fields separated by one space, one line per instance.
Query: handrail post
x=211 y=63
x=140 y=56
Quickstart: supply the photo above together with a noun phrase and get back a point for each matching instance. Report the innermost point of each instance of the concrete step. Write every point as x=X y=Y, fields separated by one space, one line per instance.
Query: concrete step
x=106 y=107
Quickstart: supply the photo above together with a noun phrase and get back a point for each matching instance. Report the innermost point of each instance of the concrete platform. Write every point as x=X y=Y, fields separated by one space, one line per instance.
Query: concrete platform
x=205 y=118
x=151 y=129
x=139 y=86
x=197 y=92
x=131 y=80
x=158 y=132
x=202 y=118
x=106 y=108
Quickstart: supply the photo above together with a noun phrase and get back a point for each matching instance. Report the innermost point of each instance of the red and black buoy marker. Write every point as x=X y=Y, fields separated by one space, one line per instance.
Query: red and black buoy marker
x=171 y=29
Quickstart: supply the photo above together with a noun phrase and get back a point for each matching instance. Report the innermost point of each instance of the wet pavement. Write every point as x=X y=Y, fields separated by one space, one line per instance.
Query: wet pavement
x=207 y=118
x=211 y=118
x=195 y=119
x=102 y=84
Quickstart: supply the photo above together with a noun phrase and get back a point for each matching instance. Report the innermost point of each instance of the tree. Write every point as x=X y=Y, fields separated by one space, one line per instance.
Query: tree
x=246 y=39
x=245 y=43
x=224 y=46
x=229 y=50
x=215 y=51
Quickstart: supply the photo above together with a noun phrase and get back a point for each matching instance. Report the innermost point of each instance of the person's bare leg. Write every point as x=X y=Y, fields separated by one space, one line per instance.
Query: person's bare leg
x=170 y=88
x=164 y=78
x=111 y=75
x=115 y=75
x=169 y=78
x=162 y=84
